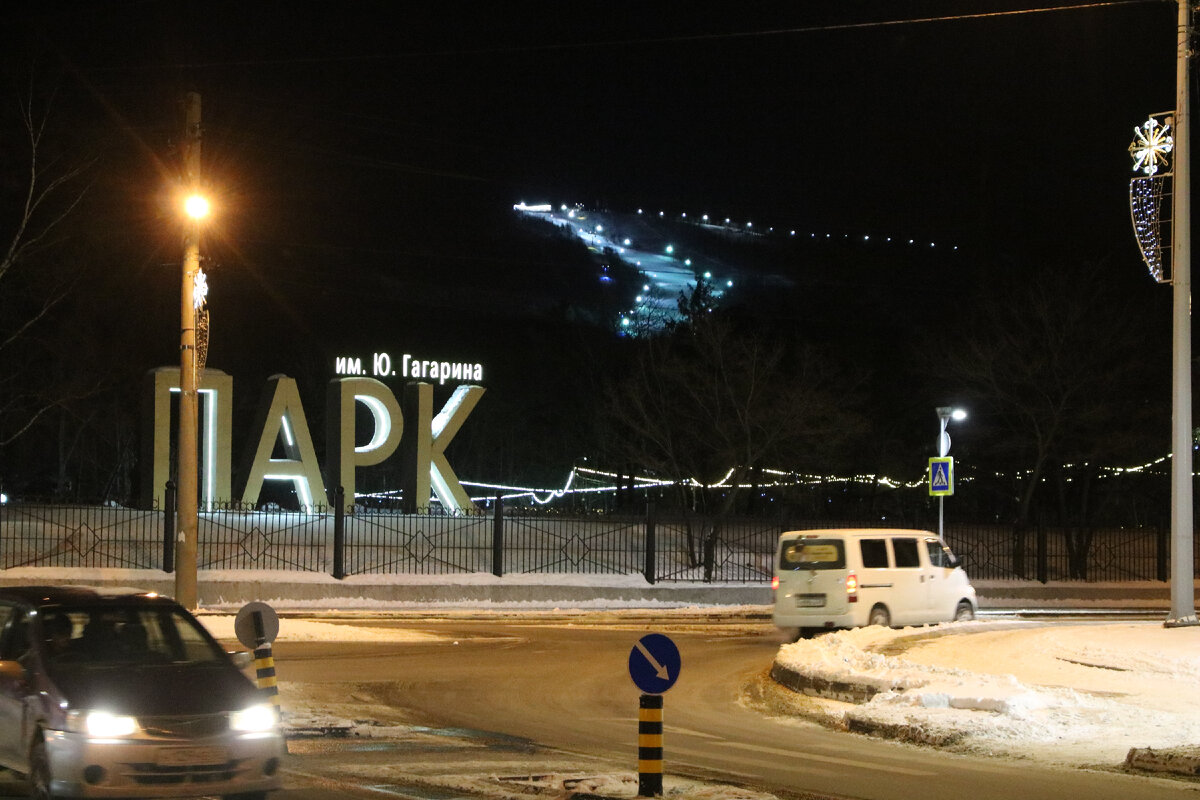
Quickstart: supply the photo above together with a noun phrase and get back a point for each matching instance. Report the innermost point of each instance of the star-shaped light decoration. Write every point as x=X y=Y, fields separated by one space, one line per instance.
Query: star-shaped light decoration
x=200 y=289
x=1151 y=143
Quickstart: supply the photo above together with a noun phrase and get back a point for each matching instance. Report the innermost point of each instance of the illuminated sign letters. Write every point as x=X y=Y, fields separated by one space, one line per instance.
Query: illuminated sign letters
x=280 y=424
x=409 y=366
x=342 y=456
x=280 y=419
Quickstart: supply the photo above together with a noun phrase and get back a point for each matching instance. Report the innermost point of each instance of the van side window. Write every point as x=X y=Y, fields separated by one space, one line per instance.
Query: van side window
x=907 y=554
x=874 y=553
x=938 y=557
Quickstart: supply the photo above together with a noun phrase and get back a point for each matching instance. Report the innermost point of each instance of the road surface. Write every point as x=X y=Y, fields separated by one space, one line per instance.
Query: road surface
x=563 y=689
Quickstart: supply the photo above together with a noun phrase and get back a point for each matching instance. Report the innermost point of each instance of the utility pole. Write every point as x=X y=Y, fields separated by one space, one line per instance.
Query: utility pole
x=1183 y=603
x=189 y=419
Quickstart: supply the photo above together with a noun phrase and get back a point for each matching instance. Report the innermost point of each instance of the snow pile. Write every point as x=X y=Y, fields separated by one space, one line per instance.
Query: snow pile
x=1079 y=694
x=298 y=630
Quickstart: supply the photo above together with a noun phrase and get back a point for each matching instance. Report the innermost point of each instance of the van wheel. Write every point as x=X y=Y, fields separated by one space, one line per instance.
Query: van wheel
x=964 y=612
x=880 y=616
x=39 y=772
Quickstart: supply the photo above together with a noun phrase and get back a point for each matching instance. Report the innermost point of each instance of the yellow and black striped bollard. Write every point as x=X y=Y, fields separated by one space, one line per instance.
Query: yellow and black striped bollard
x=650 y=745
x=264 y=662
x=264 y=670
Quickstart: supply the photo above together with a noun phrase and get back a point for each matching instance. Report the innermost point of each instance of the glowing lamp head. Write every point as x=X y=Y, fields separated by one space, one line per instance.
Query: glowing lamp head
x=196 y=206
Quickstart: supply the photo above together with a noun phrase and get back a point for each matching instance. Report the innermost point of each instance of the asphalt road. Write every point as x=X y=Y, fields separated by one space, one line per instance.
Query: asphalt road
x=564 y=686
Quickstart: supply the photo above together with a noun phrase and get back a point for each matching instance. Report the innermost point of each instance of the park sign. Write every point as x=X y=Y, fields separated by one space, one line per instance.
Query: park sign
x=407 y=424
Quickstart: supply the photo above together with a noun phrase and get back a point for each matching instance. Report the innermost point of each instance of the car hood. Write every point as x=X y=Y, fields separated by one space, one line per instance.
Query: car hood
x=165 y=689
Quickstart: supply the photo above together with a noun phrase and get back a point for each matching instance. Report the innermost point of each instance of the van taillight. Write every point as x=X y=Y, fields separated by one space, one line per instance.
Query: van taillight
x=774 y=583
x=852 y=588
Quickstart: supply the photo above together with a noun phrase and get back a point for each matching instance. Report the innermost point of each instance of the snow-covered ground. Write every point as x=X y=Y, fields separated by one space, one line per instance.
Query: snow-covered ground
x=1072 y=694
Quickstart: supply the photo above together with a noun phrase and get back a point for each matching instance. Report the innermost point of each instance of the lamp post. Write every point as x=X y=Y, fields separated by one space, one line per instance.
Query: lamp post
x=1149 y=149
x=945 y=414
x=196 y=208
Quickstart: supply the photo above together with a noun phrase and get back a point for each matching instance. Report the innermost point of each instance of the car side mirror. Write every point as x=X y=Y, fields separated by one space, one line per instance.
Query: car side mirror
x=242 y=658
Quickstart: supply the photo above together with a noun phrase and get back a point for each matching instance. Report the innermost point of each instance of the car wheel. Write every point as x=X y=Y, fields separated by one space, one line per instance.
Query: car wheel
x=39 y=772
x=880 y=616
x=245 y=796
x=964 y=612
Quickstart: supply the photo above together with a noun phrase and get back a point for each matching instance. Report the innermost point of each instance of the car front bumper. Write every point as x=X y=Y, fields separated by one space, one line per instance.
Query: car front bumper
x=83 y=766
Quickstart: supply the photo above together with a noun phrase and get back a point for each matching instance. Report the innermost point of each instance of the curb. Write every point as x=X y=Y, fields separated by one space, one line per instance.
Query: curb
x=1184 y=761
x=812 y=686
x=312 y=591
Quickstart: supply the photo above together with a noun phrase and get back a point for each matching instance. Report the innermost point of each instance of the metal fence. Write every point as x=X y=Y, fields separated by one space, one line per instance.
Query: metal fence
x=507 y=540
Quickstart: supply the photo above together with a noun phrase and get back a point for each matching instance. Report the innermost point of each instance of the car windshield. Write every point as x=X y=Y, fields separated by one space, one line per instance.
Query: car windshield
x=123 y=635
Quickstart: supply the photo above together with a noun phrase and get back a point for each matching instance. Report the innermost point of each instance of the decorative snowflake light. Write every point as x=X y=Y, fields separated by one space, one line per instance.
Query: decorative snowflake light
x=1151 y=143
x=200 y=289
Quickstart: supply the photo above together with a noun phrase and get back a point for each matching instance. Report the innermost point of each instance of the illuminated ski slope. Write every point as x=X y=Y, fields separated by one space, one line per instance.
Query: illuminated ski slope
x=667 y=272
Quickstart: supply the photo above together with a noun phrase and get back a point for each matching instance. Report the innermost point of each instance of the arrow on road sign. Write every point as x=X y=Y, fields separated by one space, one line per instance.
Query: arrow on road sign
x=659 y=670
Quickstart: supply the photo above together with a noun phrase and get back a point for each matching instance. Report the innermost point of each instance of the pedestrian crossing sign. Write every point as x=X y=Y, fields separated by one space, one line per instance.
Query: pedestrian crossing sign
x=941 y=476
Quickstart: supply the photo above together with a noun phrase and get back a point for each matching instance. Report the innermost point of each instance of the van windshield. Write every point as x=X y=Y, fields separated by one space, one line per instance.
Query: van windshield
x=813 y=554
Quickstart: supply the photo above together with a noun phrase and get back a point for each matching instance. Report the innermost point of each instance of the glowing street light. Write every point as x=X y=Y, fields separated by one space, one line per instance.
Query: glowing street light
x=197 y=206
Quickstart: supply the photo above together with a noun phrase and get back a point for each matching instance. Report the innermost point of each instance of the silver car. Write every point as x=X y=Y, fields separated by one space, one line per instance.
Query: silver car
x=120 y=693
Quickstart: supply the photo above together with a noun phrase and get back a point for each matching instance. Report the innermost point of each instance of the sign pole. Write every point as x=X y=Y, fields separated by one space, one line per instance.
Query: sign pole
x=1183 y=606
x=654 y=664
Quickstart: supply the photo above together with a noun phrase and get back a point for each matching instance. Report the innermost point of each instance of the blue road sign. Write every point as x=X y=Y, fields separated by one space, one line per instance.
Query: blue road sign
x=941 y=476
x=654 y=663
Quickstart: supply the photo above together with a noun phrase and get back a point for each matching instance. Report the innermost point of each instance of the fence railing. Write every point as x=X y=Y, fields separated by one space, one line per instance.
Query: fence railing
x=507 y=540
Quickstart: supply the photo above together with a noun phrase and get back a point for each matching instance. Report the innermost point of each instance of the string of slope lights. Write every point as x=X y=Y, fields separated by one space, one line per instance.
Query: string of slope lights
x=610 y=482
x=730 y=224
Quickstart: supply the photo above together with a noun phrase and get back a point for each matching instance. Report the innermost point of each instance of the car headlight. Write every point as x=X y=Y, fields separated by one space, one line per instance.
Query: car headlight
x=254 y=719
x=101 y=724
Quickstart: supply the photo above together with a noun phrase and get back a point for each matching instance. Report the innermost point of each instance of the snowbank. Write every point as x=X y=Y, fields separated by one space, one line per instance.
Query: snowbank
x=1072 y=694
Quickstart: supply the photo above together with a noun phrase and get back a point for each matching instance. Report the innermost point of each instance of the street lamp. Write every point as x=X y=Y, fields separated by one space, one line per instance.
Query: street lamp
x=945 y=414
x=196 y=208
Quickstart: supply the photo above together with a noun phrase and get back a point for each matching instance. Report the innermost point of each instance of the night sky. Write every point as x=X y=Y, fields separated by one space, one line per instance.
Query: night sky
x=1001 y=132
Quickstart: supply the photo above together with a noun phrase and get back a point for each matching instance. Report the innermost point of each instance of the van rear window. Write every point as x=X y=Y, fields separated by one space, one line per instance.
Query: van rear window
x=813 y=554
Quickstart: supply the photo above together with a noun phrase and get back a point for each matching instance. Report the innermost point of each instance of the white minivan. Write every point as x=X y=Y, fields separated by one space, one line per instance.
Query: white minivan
x=846 y=578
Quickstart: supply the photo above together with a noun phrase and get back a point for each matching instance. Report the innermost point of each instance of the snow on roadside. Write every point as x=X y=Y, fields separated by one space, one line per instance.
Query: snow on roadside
x=298 y=630
x=1070 y=694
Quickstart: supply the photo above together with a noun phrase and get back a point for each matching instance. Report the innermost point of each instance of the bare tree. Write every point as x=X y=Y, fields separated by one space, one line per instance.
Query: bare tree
x=1056 y=362
x=706 y=405
x=43 y=191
